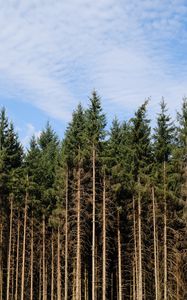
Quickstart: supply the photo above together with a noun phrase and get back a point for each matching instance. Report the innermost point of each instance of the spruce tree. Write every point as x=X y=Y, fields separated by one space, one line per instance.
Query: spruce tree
x=95 y=133
x=163 y=143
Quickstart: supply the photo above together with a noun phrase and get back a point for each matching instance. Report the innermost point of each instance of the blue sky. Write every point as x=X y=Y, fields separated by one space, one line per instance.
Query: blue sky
x=53 y=53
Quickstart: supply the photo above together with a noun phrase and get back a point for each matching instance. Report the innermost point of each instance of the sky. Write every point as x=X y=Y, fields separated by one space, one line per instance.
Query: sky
x=54 y=53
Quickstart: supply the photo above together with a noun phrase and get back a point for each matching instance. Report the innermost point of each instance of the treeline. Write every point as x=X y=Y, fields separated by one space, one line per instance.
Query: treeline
x=100 y=215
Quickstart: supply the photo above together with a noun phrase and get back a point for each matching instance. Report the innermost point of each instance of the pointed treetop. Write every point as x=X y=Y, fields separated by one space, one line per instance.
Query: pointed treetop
x=47 y=136
x=96 y=120
x=164 y=134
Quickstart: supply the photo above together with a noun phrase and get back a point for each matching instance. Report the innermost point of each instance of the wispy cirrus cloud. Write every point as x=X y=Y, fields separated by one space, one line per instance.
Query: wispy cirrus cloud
x=53 y=53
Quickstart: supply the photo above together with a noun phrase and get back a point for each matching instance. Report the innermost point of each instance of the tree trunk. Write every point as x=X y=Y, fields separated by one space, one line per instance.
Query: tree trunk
x=58 y=267
x=1 y=250
x=9 y=249
x=52 y=266
x=165 y=236
x=140 y=293
x=104 y=239
x=66 y=241
x=156 y=266
x=40 y=277
x=13 y=266
x=93 y=224
x=23 y=251
x=135 y=252
x=78 y=267
x=17 y=257
x=134 y=281
x=74 y=279
x=32 y=258
x=43 y=260
x=119 y=258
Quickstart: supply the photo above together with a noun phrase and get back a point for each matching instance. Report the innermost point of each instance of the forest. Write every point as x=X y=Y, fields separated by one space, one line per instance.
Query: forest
x=100 y=215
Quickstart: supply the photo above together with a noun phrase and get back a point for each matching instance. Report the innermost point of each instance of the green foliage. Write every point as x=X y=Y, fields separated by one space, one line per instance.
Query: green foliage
x=140 y=143
x=164 y=135
x=95 y=122
x=11 y=157
x=74 y=142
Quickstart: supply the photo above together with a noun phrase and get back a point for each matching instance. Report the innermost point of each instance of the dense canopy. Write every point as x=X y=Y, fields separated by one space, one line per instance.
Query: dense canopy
x=92 y=217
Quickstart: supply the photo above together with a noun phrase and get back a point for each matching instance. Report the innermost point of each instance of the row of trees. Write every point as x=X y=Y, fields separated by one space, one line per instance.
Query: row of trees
x=100 y=215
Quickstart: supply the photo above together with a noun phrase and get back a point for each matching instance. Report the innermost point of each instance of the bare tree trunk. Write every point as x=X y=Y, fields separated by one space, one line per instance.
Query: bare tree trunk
x=1 y=250
x=93 y=224
x=9 y=249
x=156 y=267
x=52 y=266
x=165 y=236
x=135 y=253
x=78 y=267
x=104 y=239
x=134 y=281
x=74 y=279
x=40 y=278
x=119 y=258
x=158 y=271
x=32 y=257
x=177 y=276
x=66 y=241
x=23 y=251
x=13 y=266
x=140 y=294
x=17 y=257
x=58 y=267
x=43 y=260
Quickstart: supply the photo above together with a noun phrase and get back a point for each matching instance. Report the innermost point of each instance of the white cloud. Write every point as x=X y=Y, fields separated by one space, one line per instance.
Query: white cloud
x=30 y=131
x=53 y=53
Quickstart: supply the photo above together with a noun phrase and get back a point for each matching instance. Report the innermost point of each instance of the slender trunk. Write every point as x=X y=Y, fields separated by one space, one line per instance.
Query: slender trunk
x=52 y=266
x=140 y=294
x=1 y=250
x=74 y=279
x=13 y=266
x=32 y=257
x=78 y=267
x=135 y=253
x=134 y=282
x=23 y=251
x=43 y=260
x=9 y=250
x=66 y=241
x=40 y=278
x=17 y=257
x=177 y=277
x=155 y=246
x=119 y=259
x=93 y=224
x=58 y=268
x=158 y=264
x=104 y=238
x=165 y=236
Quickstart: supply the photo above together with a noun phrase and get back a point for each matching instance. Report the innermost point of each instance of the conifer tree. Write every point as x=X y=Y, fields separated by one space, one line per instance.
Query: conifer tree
x=163 y=138
x=74 y=149
x=95 y=124
x=142 y=156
